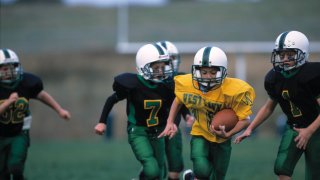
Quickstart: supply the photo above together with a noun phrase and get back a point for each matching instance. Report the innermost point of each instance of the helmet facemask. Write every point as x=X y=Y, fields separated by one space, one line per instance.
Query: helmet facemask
x=173 y=54
x=206 y=84
x=158 y=71
x=10 y=73
x=295 y=58
x=175 y=61
x=290 y=53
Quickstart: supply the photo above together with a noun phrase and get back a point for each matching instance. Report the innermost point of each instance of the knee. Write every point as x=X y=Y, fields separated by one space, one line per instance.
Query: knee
x=202 y=168
x=280 y=170
x=151 y=170
x=16 y=170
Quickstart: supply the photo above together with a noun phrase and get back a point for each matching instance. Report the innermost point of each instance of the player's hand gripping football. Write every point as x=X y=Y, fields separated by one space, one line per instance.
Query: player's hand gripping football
x=170 y=130
x=100 y=128
x=221 y=132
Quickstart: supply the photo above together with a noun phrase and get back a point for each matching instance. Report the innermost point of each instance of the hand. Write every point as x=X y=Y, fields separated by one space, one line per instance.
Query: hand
x=100 y=128
x=244 y=135
x=13 y=97
x=221 y=133
x=64 y=114
x=189 y=120
x=302 y=138
x=170 y=130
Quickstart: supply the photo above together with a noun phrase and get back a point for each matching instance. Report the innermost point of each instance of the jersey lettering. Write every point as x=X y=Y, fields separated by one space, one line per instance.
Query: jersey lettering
x=295 y=111
x=155 y=106
x=15 y=112
x=197 y=101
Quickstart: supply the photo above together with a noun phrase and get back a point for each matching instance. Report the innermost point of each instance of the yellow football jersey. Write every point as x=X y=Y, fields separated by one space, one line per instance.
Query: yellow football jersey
x=233 y=93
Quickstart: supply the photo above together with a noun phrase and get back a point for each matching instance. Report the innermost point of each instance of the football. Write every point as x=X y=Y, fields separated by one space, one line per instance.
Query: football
x=225 y=117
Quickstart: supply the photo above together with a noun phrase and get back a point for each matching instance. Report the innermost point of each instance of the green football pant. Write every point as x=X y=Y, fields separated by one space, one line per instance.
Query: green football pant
x=13 y=154
x=149 y=150
x=210 y=160
x=289 y=154
x=174 y=152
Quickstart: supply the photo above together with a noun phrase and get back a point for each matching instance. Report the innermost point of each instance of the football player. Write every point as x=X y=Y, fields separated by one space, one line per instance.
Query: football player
x=16 y=90
x=147 y=100
x=205 y=92
x=293 y=83
x=174 y=145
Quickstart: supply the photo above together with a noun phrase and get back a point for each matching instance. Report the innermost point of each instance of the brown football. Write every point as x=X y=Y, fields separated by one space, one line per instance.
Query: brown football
x=225 y=117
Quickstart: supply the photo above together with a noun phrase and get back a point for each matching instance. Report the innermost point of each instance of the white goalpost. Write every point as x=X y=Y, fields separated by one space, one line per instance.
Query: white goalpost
x=239 y=48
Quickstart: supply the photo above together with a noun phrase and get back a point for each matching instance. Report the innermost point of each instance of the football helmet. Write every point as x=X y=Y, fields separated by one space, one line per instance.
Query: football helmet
x=149 y=54
x=10 y=68
x=173 y=53
x=295 y=45
x=209 y=57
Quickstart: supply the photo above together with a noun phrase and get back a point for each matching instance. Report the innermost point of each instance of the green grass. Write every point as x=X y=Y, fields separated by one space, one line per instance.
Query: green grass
x=82 y=160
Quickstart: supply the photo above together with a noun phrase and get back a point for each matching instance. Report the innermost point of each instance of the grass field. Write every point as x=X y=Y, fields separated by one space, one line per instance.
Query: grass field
x=100 y=160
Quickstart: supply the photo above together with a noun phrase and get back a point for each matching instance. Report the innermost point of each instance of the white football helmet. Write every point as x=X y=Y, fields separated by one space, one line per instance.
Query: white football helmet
x=173 y=53
x=153 y=53
x=209 y=57
x=290 y=41
x=10 y=68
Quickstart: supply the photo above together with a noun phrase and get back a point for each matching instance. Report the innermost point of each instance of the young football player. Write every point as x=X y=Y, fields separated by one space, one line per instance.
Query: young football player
x=294 y=84
x=174 y=145
x=16 y=90
x=205 y=92
x=147 y=100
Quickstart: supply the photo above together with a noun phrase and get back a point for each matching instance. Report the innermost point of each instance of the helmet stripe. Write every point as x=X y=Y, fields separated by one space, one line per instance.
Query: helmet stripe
x=205 y=57
x=282 y=39
x=6 y=53
x=160 y=50
x=164 y=44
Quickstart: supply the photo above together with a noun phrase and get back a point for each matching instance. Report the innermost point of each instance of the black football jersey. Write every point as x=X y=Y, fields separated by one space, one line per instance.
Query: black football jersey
x=147 y=102
x=297 y=95
x=11 y=121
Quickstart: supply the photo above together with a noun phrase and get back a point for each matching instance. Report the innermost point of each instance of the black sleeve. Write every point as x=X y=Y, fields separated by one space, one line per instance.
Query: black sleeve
x=269 y=84
x=311 y=75
x=184 y=112
x=110 y=102
x=33 y=83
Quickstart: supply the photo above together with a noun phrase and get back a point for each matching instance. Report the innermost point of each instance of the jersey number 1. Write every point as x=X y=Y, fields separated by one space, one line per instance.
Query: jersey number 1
x=295 y=111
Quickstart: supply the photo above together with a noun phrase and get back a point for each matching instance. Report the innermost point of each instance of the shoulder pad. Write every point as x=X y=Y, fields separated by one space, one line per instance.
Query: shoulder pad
x=126 y=80
x=270 y=76
x=310 y=71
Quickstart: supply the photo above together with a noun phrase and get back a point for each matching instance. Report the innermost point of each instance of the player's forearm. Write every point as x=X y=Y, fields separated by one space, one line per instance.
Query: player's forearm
x=4 y=106
x=110 y=102
x=175 y=108
x=47 y=99
x=263 y=114
x=239 y=126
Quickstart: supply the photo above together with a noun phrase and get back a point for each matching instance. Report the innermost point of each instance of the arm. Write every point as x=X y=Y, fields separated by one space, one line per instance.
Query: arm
x=12 y=98
x=171 y=128
x=188 y=118
x=305 y=133
x=238 y=127
x=47 y=99
x=263 y=114
x=100 y=128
